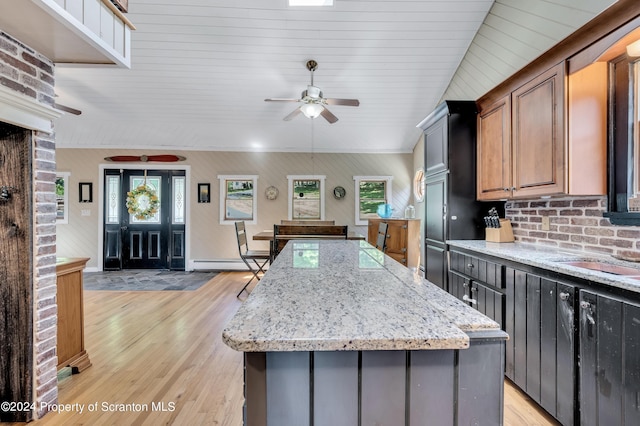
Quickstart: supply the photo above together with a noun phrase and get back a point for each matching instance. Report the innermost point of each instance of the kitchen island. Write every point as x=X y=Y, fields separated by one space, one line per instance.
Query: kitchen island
x=337 y=333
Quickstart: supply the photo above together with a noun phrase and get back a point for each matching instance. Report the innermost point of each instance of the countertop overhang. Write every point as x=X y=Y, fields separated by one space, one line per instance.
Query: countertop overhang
x=337 y=295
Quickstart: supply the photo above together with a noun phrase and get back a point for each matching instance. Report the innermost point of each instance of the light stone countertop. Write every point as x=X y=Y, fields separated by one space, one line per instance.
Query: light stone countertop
x=553 y=259
x=337 y=295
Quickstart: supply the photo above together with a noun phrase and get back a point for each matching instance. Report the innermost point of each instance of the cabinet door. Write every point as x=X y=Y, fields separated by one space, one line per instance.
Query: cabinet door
x=609 y=360
x=435 y=210
x=538 y=135
x=488 y=301
x=458 y=286
x=494 y=151
x=436 y=265
x=436 y=147
x=397 y=237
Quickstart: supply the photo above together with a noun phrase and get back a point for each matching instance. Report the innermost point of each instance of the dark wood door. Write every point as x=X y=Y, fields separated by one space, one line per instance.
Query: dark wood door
x=155 y=242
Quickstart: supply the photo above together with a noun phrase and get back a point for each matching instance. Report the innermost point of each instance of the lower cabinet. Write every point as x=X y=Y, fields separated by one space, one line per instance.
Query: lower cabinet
x=479 y=283
x=540 y=352
x=609 y=360
x=573 y=348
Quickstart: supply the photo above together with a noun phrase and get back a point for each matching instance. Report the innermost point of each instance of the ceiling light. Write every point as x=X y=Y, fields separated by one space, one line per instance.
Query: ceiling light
x=310 y=2
x=633 y=49
x=311 y=110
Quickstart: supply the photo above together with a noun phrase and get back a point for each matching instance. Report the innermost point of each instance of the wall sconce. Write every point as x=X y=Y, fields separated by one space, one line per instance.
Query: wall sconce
x=85 y=189
x=204 y=189
x=633 y=49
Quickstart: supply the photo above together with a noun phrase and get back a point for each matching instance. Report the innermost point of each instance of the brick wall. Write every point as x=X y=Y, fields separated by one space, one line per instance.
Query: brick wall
x=575 y=223
x=26 y=71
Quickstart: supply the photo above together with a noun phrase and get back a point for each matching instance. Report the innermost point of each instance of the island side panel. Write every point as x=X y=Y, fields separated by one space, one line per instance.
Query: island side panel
x=335 y=388
x=255 y=389
x=383 y=387
x=480 y=389
x=289 y=388
x=431 y=387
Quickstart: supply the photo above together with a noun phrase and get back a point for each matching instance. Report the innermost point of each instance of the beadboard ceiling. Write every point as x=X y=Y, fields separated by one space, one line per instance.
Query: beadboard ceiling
x=201 y=70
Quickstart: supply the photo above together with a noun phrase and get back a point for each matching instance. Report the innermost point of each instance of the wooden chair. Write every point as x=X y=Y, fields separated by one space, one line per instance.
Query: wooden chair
x=283 y=233
x=381 y=239
x=259 y=257
x=307 y=222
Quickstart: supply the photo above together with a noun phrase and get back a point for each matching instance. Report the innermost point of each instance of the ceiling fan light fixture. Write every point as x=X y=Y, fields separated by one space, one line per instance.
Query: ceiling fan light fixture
x=310 y=3
x=311 y=110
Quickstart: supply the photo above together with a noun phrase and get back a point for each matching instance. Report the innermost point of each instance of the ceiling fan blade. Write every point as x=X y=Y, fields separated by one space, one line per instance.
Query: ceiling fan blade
x=293 y=114
x=346 y=102
x=67 y=109
x=329 y=116
x=281 y=100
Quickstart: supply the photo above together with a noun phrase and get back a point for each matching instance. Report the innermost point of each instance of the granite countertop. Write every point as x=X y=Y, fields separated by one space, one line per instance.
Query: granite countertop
x=337 y=295
x=554 y=259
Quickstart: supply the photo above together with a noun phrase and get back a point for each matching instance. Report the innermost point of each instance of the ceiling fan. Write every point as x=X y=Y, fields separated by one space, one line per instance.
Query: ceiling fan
x=313 y=103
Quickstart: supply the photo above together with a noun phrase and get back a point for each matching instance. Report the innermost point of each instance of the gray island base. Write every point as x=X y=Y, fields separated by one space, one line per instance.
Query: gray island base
x=337 y=333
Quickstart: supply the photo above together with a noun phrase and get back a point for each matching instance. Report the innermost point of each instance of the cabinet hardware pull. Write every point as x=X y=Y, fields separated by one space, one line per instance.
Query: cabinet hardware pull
x=585 y=305
x=465 y=285
x=473 y=289
x=564 y=296
x=470 y=300
x=470 y=265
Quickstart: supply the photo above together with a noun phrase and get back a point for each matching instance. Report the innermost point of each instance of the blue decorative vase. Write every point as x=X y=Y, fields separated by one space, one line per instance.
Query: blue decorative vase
x=384 y=211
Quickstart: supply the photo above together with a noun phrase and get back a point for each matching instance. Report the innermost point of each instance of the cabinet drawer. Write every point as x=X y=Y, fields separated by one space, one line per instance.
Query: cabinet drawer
x=485 y=271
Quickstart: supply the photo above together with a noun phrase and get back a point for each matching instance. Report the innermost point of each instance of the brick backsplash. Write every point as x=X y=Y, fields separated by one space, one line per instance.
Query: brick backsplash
x=575 y=223
x=28 y=72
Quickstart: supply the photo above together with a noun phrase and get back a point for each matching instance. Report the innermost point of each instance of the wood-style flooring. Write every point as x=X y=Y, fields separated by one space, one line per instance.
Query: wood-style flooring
x=163 y=351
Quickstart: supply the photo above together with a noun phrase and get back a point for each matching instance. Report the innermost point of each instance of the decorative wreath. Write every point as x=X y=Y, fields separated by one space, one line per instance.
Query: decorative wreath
x=142 y=202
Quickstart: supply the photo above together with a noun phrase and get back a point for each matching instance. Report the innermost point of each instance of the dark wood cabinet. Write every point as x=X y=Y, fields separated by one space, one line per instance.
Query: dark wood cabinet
x=540 y=354
x=609 y=360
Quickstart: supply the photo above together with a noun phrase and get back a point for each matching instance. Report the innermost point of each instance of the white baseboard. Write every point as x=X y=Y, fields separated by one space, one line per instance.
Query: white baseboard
x=218 y=265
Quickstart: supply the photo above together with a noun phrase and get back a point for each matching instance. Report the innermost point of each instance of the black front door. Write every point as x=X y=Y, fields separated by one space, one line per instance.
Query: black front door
x=153 y=241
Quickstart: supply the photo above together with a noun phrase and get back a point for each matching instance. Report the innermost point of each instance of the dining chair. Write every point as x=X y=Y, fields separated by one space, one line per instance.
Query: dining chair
x=259 y=257
x=307 y=222
x=381 y=239
x=283 y=233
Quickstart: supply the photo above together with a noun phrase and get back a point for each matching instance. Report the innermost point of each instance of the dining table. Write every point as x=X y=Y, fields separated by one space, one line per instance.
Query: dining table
x=267 y=235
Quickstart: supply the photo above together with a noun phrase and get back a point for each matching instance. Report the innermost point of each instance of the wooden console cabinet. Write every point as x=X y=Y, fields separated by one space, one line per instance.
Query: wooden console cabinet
x=71 y=352
x=403 y=239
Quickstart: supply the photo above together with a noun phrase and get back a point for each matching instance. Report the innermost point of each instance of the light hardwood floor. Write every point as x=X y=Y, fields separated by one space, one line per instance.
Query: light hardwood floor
x=165 y=348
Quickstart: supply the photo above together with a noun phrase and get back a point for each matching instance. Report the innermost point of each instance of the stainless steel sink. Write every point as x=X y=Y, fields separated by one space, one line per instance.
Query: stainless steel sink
x=609 y=268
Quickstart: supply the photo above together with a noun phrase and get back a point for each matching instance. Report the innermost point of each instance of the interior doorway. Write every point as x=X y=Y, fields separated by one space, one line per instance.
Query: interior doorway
x=152 y=235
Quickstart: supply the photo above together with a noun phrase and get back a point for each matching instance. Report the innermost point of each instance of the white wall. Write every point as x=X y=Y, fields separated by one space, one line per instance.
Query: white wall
x=208 y=239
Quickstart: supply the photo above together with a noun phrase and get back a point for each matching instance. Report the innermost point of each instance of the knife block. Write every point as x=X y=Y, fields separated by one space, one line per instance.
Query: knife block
x=504 y=234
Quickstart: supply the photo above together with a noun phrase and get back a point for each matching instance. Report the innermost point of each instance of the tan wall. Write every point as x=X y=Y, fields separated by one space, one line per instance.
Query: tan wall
x=418 y=162
x=209 y=239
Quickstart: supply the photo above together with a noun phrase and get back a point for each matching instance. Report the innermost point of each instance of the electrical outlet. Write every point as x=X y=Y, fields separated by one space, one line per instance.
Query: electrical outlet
x=546 y=223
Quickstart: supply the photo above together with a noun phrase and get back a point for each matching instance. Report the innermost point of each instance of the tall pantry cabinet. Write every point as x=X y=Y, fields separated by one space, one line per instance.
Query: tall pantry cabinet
x=451 y=209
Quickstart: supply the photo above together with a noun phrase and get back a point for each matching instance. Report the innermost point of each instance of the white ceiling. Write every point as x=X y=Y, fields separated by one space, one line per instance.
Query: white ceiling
x=201 y=70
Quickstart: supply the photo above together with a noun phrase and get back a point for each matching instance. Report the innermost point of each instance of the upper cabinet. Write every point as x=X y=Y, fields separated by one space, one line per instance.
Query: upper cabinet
x=521 y=142
x=72 y=31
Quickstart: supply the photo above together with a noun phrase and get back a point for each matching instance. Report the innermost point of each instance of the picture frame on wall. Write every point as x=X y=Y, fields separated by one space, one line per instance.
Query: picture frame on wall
x=85 y=189
x=204 y=193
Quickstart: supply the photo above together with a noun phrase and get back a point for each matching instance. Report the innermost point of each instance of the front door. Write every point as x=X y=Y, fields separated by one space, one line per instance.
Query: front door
x=140 y=234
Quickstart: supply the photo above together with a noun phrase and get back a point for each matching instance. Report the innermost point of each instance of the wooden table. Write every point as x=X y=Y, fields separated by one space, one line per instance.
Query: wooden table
x=268 y=236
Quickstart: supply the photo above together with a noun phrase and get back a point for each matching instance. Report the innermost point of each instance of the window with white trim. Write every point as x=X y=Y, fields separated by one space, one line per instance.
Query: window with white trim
x=306 y=197
x=62 y=197
x=371 y=191
x=238 y=199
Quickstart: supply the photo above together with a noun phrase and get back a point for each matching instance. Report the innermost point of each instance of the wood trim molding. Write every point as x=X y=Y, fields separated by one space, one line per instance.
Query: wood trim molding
x=23 y=111
x=611 y=19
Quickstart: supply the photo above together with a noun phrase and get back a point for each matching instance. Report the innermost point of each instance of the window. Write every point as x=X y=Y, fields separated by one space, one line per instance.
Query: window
x=62 y=197
x=238 y=198
x=371 y=191
x=306 y=197
x=419 y=185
